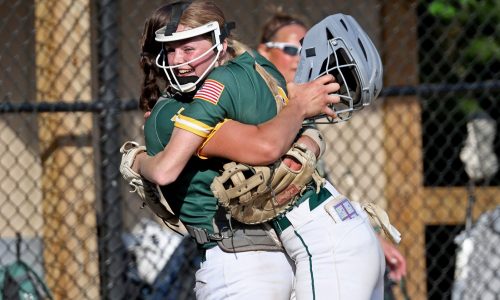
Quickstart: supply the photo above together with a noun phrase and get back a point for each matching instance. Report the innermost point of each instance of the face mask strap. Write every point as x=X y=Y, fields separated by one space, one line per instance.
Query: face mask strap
x=175 y=17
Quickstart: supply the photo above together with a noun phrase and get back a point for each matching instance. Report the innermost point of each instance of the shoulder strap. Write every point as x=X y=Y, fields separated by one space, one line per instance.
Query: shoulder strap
x=273 y=85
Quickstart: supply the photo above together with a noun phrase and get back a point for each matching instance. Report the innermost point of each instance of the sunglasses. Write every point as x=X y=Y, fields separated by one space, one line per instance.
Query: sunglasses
x=289 y=49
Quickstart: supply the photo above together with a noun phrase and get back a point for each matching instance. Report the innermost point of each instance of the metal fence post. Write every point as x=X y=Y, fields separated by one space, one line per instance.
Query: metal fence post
x=112 y=251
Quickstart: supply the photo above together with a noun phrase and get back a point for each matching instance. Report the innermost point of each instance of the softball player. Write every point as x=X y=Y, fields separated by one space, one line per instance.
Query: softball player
x=280 y=41
x=330 y=241
x=245 y=275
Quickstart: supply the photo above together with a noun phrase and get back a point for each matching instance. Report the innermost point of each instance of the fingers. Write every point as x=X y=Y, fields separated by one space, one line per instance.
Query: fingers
x=328 y=82
x=332 y=87
x=292 y=163
x=315 y=97
x=333 y=98
x=328 y=110
x=327 y=78
x=397 y=265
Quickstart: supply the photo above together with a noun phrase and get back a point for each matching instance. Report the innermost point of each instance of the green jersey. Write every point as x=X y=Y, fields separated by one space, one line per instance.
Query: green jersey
x=233 y=91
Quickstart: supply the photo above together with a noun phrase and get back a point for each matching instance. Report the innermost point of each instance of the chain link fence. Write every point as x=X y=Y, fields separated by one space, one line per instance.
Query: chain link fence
x=69 y=84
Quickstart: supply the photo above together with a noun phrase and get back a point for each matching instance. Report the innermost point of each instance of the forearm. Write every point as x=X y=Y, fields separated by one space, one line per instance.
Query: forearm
x=280 y=132
x=265 y=143
x=255 y=144
x=165 y=167
x=157 y=169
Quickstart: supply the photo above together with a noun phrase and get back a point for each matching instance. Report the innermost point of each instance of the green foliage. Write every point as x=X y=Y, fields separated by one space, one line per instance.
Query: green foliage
x=468 y=31
x=469 y=106
x=463 y=10
x=483 y=49
x=442 y=9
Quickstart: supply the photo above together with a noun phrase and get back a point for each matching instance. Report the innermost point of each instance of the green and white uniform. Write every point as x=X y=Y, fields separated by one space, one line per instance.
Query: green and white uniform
x=243 y=97
x=336 y=253
x=224 y=275
x=189 y=196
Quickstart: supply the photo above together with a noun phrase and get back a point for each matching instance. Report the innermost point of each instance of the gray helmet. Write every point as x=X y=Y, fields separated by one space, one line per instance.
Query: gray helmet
x=339 y=46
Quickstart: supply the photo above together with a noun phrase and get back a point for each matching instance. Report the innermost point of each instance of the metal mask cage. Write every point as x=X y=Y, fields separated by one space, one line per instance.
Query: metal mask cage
x=341 y=65
x=186 y=85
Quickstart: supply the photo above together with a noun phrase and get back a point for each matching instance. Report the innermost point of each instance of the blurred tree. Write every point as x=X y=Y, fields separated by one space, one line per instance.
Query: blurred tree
x=459 y=42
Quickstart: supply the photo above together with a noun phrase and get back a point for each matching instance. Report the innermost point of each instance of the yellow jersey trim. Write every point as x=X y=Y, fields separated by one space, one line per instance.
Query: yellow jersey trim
x=193 y=126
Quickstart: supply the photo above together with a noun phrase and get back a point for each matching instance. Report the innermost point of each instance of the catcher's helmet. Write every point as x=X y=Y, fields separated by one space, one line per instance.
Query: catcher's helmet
x=339 y=46
x=168 y=34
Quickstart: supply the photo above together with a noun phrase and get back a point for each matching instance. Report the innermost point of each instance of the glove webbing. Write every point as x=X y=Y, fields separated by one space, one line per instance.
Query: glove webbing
x=235 y=172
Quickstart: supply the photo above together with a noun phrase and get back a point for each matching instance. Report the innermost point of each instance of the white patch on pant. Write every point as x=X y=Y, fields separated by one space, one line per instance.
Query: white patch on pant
x=340 y=209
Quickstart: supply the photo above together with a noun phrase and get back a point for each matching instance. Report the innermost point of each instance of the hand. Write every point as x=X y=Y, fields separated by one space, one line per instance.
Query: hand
x=136 y=166
x=314 y=97
x=293 y=163
x=394 y=259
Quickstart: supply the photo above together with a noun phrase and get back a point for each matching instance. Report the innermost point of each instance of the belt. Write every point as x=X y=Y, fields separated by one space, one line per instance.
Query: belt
x=281 y=223
x=202 y=253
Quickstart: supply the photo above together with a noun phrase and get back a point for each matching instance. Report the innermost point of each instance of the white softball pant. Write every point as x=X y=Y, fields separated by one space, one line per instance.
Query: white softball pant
x=262 y=275
x=335 y=249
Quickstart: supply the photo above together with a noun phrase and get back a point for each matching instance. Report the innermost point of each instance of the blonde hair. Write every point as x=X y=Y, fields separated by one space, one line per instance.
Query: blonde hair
x=202 y=12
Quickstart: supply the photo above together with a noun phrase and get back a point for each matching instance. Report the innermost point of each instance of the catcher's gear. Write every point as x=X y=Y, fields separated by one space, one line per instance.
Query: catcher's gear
x=168 y=34
x=147 y=191
x=129 y=151
x=317 y=137
x=380 y=219
x=339 y=46
x=256 y=194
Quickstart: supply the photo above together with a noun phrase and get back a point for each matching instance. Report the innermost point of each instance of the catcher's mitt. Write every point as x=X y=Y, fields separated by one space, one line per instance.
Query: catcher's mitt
x=147 y=191
x=256 y=194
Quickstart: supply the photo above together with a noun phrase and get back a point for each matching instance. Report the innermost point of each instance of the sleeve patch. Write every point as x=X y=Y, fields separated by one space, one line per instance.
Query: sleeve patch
x=210 y=91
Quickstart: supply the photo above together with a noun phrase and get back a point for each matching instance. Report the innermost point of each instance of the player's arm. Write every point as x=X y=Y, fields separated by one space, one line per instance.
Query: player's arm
x=265 y=143
x=306 y=100
x=165 y=167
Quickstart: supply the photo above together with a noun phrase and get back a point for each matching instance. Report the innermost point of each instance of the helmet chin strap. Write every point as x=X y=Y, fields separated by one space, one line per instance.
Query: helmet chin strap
x=187 y=84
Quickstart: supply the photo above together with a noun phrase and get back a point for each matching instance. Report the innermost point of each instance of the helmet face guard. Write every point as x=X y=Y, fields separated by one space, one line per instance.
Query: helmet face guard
x=339 y=46
x=179 y=84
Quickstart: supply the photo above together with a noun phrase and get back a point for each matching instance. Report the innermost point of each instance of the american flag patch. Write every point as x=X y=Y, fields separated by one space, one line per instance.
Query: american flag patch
x=210 y=91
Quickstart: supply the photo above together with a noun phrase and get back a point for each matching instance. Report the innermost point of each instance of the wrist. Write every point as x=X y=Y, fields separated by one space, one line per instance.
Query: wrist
x=315 y=135
x=299 y=109
x=136 y=166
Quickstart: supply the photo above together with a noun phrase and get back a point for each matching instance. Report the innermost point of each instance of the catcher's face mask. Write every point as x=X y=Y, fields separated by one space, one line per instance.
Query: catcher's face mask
x=339 y=46
x=187 y=84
